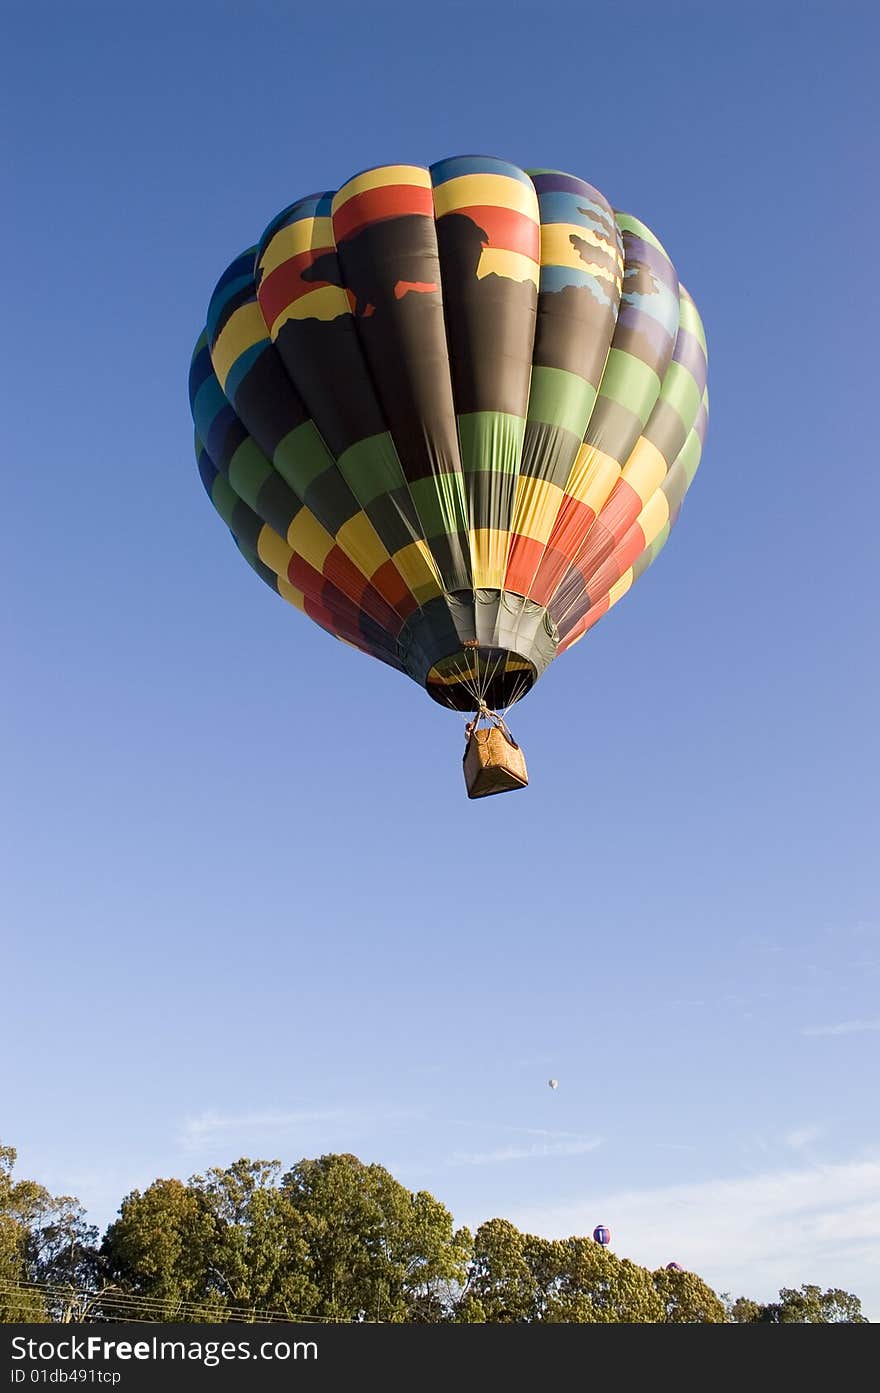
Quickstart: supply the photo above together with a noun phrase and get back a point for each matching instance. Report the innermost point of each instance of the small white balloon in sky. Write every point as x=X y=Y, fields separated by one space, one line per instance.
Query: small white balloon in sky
x=552 y=1083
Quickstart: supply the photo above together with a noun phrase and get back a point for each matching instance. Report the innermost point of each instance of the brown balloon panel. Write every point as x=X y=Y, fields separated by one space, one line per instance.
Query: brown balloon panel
x=495 y=676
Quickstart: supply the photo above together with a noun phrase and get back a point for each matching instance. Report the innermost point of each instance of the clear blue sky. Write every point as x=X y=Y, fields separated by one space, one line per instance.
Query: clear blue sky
x=247 y=908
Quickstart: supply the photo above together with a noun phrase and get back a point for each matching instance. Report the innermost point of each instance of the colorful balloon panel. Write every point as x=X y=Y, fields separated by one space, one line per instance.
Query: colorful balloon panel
x=451 y=413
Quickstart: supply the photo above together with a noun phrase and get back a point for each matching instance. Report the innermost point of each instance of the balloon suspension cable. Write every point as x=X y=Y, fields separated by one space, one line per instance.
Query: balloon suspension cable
x=484 y=712
x=477 y=682
x=493 y=667
x=468 y=681
x=519 y=692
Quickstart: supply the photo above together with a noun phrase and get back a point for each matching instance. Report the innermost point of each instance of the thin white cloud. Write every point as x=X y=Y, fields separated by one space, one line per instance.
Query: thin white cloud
x=747 y=1236
x=800 y=1137
x=524 y=1153
x=471 y=1123
x=208 y=1127
x=212 y=1127
x=545 y=1132
x=843 y=1028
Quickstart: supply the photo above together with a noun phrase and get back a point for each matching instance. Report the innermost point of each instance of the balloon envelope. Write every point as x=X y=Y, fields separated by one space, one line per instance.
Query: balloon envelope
x=553 y=1083
x=451 y=414
x=602 y=1235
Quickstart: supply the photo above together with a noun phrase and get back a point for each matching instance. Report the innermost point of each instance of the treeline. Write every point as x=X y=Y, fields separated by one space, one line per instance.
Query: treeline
x=332 y=1239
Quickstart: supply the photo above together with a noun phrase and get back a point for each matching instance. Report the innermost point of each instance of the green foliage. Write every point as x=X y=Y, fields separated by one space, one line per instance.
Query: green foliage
x=501 y=1285
x=807 y=1306
x=687 y=1299
x=43 y=1239
x=742 y=1311
x=812 y=1306
x=227 y=1239
x=601 y=1288
x=336 y=1239
x=376 y=1251
x=259 y=1253
x=161 y=1246
x=16 y=1203
x=516 y=1277
x=331 y=1238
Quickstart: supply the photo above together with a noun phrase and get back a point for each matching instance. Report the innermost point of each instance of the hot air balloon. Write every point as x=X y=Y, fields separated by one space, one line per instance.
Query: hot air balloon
x=602 y=1235
x=451 y=414
x=674 y=1267
x=553 y=1083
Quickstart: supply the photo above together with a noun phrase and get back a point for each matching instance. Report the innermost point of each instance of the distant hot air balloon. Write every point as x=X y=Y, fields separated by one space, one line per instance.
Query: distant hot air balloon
x=602 y=1235
x=674 y=1267
x=451 y=414
x=553 y=1083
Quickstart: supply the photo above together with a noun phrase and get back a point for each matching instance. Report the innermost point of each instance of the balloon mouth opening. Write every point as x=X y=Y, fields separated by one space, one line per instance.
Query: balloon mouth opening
x=476 y=674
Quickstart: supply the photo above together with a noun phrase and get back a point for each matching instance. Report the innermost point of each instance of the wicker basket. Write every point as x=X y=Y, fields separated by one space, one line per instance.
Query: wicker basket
x=493 y=763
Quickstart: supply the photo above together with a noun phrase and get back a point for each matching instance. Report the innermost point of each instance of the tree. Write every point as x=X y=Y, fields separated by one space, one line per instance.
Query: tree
x=258 y=1254
x=808 y=1306
x=518 y=1277
x=812 y=1306
x=601 y=1288
x=63 y=1247
x=228 y=1240
x=341 y=1240
x=375 y=1250
x=332 y=1237
x=161 y=1247
x=742 y=1311
x=501 y=1284
x=45 y=1241
x=17 y=1200
x=687 y=1298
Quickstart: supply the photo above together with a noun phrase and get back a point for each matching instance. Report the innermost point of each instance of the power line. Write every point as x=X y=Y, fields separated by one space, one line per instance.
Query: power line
x=109 y=1304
